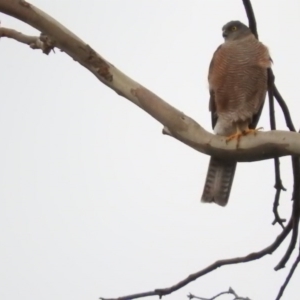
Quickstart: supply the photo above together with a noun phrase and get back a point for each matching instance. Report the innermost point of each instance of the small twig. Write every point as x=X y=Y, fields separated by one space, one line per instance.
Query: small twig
x=295 y=214
x=34 y=42
x=229 y=292
x=277 y=218
x=288 y=278
x=278 y=182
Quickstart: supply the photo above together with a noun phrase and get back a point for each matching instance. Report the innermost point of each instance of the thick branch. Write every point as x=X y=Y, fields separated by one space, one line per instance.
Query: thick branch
x=262 y=146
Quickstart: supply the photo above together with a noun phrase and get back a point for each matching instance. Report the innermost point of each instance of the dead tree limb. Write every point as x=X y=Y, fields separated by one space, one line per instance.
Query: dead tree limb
x=264 y=145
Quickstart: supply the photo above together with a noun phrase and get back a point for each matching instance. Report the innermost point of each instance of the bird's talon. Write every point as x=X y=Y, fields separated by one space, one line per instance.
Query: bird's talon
x=236 y=136
x=254 y=131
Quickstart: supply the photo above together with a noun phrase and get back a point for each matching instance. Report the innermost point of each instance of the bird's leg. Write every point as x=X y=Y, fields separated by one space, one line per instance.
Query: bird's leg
x=236 y=135
x=239 y=133
x=254 y=131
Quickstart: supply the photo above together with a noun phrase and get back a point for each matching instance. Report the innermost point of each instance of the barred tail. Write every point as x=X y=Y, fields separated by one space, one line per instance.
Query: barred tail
x=218 y=182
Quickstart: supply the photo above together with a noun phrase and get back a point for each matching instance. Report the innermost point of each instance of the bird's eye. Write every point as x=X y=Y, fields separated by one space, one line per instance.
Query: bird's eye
x=233 y=28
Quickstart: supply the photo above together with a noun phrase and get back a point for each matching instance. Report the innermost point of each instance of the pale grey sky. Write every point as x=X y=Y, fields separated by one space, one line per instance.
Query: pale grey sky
x=95 y=201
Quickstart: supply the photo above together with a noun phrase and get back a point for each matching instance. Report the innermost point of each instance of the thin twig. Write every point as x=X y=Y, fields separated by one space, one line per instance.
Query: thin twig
x=288 y=278
x=277 y=218
x=295 y=214
x=229 y=292
x=278 y=182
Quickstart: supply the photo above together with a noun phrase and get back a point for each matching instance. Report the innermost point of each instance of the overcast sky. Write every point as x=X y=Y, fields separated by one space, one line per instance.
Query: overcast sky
x=95 y=201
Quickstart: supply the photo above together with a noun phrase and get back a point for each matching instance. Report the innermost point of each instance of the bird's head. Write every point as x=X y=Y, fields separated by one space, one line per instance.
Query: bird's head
x=235 y=30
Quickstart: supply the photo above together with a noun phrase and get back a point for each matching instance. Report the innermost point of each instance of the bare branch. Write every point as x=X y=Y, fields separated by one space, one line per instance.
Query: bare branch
x=250 y=257
x=288 y=278
x=262 y=146
x=295 y=214
x=277 y=218
x=229 y=292
x=278 y=182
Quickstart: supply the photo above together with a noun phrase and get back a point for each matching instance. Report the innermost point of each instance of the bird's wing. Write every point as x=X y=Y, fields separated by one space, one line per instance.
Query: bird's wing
x=212 y=104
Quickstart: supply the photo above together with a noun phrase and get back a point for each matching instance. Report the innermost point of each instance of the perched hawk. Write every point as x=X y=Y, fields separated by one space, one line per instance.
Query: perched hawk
x=237 y=85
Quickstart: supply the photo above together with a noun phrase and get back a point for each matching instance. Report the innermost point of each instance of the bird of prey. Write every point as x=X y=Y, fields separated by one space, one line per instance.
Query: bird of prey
x=237 y=85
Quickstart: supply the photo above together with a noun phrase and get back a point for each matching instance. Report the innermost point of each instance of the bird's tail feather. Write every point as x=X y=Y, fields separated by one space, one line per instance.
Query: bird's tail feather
x=218 y=181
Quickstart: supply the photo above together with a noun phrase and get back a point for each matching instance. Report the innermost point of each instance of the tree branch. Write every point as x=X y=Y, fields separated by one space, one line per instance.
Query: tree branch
x=264 y=145
x=278 y=182
x=295 y=214
x=251 y=17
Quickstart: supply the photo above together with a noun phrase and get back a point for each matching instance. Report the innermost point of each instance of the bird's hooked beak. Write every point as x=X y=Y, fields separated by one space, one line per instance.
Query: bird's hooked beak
x=225 y=34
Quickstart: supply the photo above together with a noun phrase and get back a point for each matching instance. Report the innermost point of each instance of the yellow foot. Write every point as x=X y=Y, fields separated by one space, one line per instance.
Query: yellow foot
x=237 y=136
x=254 y=131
